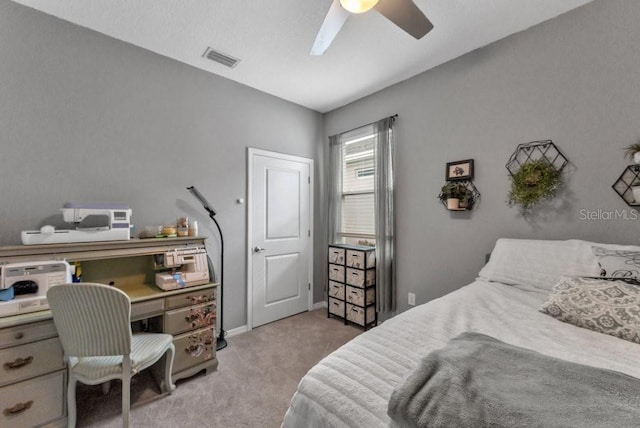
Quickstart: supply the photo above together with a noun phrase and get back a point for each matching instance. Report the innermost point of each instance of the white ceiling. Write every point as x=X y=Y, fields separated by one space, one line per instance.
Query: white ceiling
x=272 y=38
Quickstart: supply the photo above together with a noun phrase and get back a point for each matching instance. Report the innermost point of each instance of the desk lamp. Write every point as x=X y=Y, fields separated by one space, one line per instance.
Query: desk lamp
x=221 y=342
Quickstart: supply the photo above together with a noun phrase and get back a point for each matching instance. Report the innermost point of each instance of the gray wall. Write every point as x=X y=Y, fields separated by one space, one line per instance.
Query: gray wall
x=84 y=117
x=573 y=80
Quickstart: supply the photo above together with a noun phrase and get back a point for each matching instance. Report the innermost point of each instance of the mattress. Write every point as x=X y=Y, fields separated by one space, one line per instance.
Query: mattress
x=351 y=387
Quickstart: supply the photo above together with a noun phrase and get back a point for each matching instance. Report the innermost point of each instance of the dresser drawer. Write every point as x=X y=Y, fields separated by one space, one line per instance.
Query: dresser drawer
x=336 y=290
x=26 y=361
x=27 y=333
x=361 y=278
x=336 y=273
x=33 y=402
x=192 y=298
x=194 y=348
x=356 y=314
x=336 y=255
x=336 y=307
x=357 y=296
x=190 y=318
x=146 y=309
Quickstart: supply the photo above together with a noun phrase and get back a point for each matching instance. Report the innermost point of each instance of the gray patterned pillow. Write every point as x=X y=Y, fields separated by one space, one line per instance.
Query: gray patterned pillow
x=610 y=307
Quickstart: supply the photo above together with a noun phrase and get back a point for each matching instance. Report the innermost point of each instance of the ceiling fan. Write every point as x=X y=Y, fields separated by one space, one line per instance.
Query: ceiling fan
x=404 y=13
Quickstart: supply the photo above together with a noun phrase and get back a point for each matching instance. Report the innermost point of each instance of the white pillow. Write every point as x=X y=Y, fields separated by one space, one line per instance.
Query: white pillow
x=539 y=263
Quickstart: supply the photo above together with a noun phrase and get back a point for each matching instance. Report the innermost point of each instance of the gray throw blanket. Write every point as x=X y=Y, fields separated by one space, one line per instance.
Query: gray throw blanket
x=479 y=381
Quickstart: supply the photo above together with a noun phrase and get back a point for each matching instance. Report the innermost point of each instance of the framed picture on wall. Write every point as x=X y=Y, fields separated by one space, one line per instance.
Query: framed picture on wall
x=460 y=170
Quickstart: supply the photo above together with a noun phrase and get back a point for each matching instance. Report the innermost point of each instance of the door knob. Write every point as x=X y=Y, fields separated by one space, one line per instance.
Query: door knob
x=257 y=249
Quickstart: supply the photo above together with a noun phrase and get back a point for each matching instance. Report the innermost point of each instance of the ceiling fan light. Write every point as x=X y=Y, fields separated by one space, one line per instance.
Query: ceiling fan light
x=358 y=6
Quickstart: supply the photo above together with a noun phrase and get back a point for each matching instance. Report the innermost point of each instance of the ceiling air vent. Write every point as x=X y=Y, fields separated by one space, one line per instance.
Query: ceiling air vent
x=220 y=57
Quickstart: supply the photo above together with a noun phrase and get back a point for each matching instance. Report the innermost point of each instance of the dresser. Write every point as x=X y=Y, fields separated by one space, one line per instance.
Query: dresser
x=352 y=284
x=32 y=369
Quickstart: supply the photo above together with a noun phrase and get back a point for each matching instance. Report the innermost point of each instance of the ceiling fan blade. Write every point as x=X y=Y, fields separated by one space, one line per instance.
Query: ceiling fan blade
x=333 y=22
x=406 y=15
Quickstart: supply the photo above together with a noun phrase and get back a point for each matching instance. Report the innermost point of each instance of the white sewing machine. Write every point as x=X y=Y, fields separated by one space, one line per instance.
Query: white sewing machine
x=94 y=222
x=188 y=266
x=23 y=286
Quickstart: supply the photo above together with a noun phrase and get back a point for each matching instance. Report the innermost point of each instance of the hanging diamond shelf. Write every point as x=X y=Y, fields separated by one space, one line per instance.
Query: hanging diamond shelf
x=624 y=185
x=474 y=198
x=536 y=150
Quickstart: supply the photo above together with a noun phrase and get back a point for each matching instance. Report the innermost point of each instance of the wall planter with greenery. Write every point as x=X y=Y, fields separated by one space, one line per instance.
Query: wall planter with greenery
x=536 y=174
x=536 y=181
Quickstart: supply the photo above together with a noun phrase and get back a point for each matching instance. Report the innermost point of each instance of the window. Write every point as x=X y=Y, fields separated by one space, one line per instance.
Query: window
x=358 y=219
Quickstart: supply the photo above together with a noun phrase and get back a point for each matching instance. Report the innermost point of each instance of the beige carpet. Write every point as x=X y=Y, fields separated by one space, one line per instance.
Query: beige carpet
x=257 y=374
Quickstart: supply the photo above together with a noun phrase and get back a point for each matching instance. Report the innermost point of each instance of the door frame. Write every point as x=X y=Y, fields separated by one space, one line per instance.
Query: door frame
x=283 y=156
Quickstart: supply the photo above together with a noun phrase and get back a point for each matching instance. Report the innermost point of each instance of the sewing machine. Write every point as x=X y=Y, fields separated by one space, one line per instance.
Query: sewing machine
x=94 y=222
x=23 y=286
x=186 y=267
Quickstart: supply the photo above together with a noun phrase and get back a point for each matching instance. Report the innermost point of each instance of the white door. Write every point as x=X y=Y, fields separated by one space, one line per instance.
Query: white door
x=279 y=236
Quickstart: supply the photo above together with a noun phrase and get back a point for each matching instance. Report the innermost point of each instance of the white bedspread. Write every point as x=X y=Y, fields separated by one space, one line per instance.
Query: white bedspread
x=351 y=387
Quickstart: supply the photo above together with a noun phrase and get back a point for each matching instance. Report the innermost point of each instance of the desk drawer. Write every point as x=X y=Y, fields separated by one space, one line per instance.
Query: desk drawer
x=147 y=308
x=194 y=348
x=193 y=298
x=192 y=317
x=27 y=333
x=26 y=361
x=33 y=402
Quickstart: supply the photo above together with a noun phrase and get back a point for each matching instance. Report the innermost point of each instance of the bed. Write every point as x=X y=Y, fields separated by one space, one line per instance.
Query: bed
x=353 y=385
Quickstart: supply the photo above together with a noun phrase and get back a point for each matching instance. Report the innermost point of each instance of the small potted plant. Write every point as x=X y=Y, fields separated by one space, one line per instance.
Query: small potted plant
x=633 y=152
x=456 y=195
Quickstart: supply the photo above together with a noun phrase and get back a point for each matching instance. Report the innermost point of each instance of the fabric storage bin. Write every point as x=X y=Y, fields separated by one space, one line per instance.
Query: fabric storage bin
x=361 y=278
x=357 y=296
x=336 y=307
x=336 y=290
x=336 y=273
x=356 y=314
x=336 y=255
x=361 y=259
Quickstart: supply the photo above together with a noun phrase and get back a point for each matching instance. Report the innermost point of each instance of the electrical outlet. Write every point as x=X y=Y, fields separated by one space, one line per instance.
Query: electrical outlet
x=412 y=299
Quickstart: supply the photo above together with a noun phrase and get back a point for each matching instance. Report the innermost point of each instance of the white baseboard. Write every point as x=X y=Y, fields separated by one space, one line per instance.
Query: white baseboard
x=320 y=305
x=236 y=331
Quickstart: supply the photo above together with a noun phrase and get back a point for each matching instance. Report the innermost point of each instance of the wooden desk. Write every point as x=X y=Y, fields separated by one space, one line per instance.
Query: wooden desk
x=33 y=379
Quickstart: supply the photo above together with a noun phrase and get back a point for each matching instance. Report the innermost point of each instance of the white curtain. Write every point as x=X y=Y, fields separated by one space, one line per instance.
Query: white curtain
x=334 y=187
x=386 y=295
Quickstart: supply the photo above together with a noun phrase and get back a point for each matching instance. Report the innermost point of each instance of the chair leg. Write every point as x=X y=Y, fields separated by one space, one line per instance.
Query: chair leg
x=126 y=390
x=168 y=368
x=71 y=401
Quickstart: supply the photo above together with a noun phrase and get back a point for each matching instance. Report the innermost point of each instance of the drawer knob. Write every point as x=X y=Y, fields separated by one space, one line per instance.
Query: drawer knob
x=19 y=336
x=17 y=363
x=18 y=408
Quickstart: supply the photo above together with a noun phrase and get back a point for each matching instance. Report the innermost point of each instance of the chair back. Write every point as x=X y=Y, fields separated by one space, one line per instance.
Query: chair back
x=91 y=319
